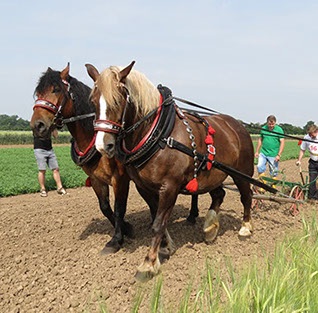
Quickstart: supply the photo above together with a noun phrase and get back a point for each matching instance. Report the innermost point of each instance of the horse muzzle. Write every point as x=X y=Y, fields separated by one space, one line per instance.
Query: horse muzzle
x=40 y=129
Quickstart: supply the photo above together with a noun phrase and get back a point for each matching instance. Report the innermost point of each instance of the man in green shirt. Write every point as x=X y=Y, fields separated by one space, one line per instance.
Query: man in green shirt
x=271 y=145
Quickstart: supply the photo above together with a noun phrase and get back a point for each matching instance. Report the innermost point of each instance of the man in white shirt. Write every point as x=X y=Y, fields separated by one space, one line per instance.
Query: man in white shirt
x=312 y=134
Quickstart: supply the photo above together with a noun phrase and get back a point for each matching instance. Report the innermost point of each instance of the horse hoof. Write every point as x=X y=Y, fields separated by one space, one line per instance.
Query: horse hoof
x=143 y=277
x=245 y=232
x=211 y=226
x=128 y=230
x=191 y=220
x=164 y=254
x=110 y=249
x=211 y=233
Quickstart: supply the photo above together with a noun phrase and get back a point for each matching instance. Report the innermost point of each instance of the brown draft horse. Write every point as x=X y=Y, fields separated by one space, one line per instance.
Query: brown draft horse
x=123 y=97
x=62 y=96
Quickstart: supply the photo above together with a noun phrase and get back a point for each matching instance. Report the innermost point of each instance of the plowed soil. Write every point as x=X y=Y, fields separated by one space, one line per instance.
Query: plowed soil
x=50 y=249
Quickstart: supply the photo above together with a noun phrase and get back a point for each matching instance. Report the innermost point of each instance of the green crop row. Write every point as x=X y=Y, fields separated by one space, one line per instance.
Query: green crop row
x=19 y=172
x=11 y=137
x=18 y=169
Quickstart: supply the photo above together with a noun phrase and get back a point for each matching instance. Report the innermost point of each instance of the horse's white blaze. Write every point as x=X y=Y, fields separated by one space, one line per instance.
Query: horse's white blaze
x=99 y=143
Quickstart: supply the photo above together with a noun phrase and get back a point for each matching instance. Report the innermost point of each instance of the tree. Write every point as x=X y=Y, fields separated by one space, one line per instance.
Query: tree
x=13 y=123
x=307 y=125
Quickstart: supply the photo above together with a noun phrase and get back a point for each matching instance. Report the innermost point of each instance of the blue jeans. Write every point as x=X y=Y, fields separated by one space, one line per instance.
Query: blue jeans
x=262 y=161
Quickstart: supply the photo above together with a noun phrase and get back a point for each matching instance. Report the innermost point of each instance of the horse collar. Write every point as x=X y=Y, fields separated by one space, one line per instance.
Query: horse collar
x=152 y=142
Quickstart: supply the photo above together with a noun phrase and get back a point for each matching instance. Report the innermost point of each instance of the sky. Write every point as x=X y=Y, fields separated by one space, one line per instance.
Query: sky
x=248 y=59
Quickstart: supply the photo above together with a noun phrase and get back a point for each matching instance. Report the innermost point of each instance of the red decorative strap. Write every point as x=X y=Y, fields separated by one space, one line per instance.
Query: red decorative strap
x=87 y=149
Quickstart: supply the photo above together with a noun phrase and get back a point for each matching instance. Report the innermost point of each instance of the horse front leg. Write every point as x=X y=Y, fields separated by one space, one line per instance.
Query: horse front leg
x=121 y=189
x=150 y=266
x=194 y=212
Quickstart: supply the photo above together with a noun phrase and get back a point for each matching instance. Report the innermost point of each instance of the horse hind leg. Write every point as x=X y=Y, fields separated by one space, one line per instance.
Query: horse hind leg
x=194 y=212
x=246 y=199
x=211 y=224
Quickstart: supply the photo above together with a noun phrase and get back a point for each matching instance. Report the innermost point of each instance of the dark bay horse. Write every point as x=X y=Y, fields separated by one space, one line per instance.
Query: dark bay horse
x=126 y=99
x=61 y=96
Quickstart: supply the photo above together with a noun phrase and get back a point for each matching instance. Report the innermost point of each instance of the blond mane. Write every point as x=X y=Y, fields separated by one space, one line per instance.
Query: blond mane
x=143 y=94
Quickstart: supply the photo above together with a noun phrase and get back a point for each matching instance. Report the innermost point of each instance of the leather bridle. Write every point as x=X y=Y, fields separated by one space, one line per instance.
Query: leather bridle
x=108 y=126
x=56 y=109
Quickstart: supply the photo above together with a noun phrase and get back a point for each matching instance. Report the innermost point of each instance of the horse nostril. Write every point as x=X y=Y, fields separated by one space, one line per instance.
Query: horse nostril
x=109 y=147
x=39 y=126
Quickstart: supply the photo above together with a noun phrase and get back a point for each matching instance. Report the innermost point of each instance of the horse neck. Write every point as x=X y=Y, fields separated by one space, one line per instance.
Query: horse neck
x=133 y=138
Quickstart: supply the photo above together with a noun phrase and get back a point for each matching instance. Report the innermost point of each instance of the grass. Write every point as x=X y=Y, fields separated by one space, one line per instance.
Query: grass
x=291 y=150
x=19 y=172
x=287 y=282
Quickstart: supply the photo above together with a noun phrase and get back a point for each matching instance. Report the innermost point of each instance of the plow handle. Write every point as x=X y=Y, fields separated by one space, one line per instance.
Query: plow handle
x=301 y=175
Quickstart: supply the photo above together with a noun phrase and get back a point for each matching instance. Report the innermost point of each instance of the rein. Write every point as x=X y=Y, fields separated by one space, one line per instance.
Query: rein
x=245 y=124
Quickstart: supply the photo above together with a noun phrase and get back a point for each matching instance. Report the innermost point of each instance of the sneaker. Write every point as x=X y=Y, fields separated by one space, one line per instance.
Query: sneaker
x=43 y=193
x=62 y=191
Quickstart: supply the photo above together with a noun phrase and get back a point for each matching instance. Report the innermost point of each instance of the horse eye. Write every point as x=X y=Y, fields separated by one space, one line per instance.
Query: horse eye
x=56 y=90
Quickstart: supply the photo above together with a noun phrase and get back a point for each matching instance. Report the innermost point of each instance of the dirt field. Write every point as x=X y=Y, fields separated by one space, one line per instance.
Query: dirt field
x=50 y=260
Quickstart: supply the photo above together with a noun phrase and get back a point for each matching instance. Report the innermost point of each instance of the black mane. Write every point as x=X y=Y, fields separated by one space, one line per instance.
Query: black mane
x=81 y=93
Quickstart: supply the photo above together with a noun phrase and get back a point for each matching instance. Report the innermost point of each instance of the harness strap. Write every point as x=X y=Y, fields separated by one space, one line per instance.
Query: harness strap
x=174 y=144
x=77 y=118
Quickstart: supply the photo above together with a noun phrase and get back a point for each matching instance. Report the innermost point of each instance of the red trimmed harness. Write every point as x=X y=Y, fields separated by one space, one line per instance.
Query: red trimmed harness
x=112 y=127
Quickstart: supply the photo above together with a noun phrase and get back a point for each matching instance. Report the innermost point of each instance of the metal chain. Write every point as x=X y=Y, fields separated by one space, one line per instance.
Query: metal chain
x=194 y=147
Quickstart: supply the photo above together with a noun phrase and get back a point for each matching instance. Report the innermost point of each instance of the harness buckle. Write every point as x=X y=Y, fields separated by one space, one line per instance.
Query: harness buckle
x=170 y=142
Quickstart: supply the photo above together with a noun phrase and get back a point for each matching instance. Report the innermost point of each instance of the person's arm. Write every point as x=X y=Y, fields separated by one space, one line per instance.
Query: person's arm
x=301 y=154
x=259 y=144
x=281 y=148
x=54 y=133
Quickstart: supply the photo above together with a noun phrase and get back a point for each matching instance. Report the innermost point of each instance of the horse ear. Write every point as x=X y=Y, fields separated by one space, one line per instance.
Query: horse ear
x=49 y=69
x=124 y=73
x=65 y=72
x=92 y=72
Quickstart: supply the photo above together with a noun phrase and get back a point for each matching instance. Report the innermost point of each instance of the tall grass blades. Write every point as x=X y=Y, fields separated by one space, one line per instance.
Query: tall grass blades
x=289 y=284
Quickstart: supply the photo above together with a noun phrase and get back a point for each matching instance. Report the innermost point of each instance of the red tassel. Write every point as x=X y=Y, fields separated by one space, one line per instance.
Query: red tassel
x=299 y=142
x=88 y=182
x=211 y=130
x=192 y=185
x=209 y=140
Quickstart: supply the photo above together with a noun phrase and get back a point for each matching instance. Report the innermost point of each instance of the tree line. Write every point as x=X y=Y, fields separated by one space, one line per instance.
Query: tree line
x=14 y=122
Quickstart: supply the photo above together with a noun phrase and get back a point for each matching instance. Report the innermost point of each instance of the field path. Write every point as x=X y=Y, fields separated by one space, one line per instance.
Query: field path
x=50 y=260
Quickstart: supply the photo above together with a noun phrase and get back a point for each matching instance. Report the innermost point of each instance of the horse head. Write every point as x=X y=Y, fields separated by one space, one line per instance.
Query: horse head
x=110 y=96
x=53 y=100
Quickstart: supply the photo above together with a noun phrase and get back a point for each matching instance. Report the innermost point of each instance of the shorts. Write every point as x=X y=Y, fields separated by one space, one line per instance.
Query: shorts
x=44 y=157
x=263 y=160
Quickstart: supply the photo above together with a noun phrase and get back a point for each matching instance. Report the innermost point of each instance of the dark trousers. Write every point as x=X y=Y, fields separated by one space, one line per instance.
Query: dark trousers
x=313 y=173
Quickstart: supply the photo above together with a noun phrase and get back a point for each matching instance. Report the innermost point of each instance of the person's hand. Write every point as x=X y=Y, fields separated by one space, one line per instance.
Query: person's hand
x=298 y=163
x=256 y=155
x=277 y=158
